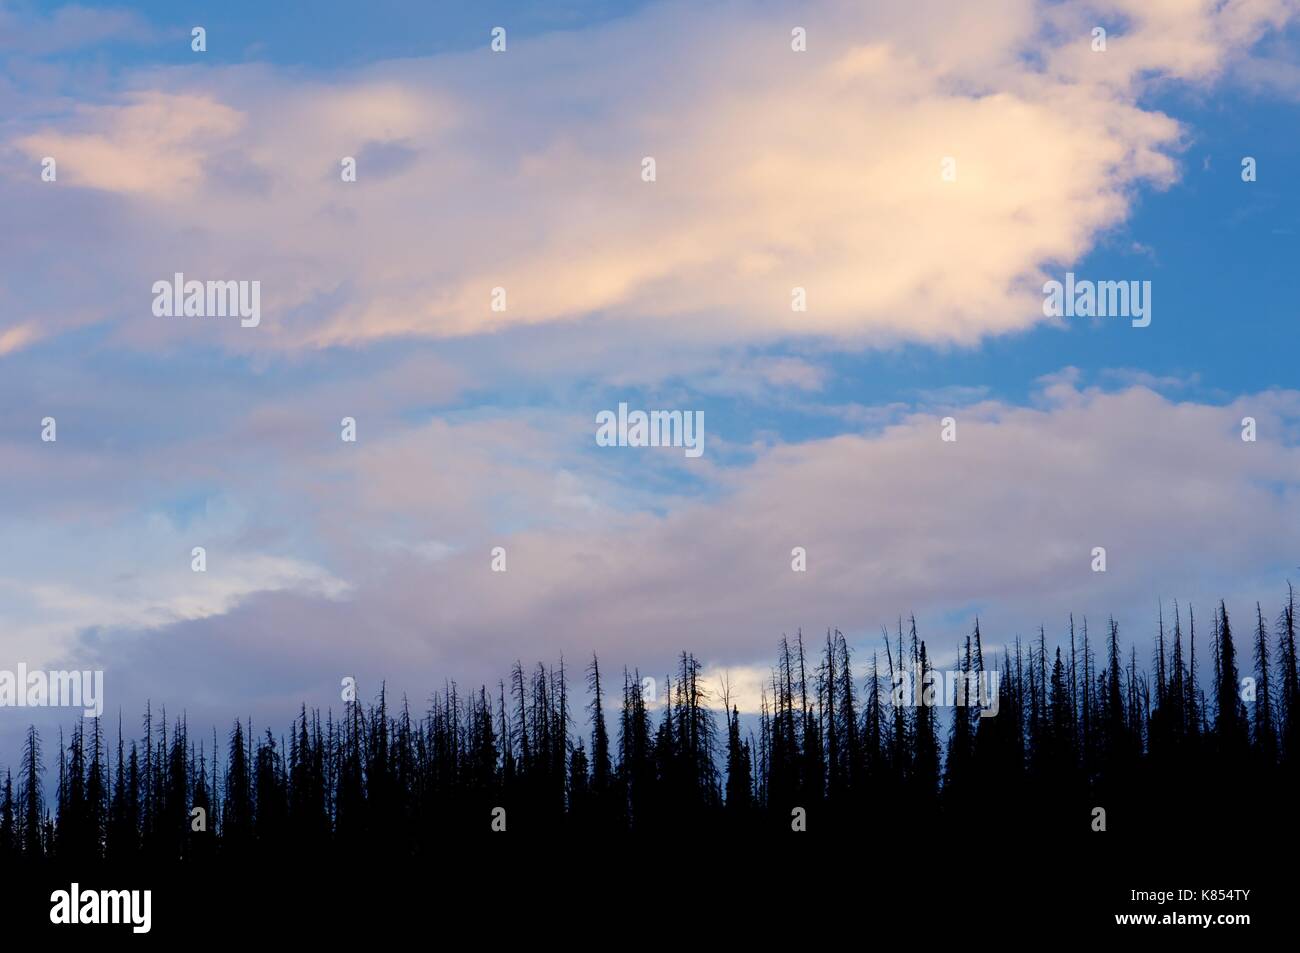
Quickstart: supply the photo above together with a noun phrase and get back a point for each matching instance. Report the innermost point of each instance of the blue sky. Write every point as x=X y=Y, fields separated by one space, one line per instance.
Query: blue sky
x=776 y=169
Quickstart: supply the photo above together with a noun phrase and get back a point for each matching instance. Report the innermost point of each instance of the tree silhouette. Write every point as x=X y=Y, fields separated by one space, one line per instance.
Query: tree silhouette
x=1060 y=735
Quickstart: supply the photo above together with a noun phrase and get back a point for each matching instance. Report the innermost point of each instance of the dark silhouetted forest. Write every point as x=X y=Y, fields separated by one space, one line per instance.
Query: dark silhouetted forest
x=1081 y=724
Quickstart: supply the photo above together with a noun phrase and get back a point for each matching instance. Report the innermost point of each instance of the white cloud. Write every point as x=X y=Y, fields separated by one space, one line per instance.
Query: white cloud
x=1002 y=522
x=776 y=169
x=132 y=574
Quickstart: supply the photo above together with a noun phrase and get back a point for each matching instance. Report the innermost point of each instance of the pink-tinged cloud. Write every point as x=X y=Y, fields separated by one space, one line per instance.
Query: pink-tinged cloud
x=822 y=170
x=154 y=145
x=1003 y=521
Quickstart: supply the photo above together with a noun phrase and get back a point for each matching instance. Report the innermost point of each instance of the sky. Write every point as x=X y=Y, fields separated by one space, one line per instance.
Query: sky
x=919 y=170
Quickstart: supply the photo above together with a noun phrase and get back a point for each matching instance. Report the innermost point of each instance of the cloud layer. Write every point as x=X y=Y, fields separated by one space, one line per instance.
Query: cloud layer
x=1001 y=522
x=776 y=169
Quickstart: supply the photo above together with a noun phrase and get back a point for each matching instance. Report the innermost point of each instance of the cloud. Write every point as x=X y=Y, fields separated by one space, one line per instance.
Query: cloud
x=133 y=572
x=69 y=28
x=155 y=144
x=1001 y=523
x=776 y=170
x=1136 y=376
x=17 y=337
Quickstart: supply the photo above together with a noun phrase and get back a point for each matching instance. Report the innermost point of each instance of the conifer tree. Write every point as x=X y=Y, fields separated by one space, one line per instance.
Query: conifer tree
x=1289 y=708
x=739 y=780
x=31 y=802
x=601 y=767
x=925 y=777
x=8 y=821
x=1230 y=717
x=1264 y=727
x=237 y=817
